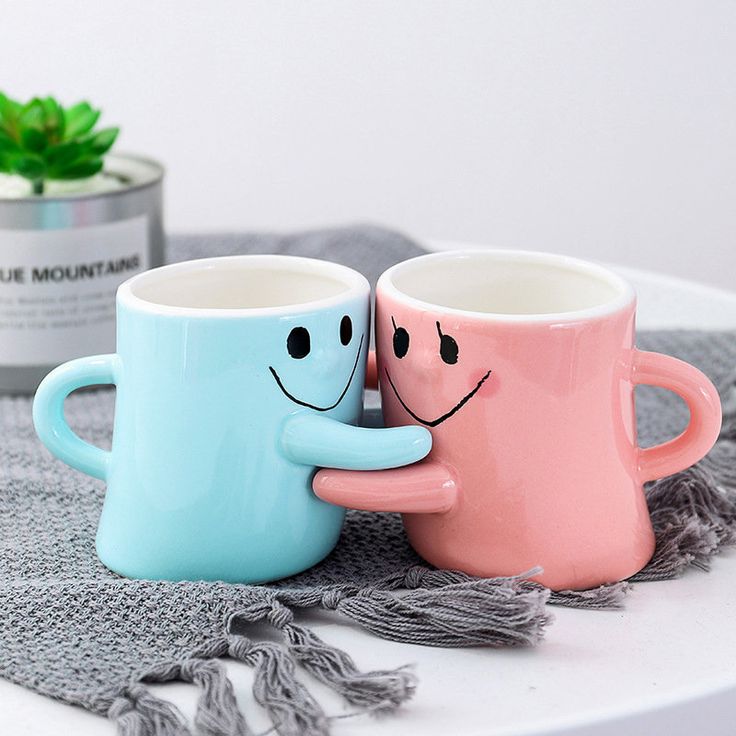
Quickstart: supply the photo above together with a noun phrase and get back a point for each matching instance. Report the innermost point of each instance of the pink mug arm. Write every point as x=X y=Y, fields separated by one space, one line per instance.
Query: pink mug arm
x=371 y=371
x=422 y=488
x=702 y=399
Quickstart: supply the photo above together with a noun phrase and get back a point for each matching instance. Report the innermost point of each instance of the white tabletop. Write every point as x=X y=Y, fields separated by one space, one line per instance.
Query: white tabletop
x=665 y=664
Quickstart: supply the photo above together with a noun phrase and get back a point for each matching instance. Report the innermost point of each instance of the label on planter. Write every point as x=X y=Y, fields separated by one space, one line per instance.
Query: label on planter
x=57 y=289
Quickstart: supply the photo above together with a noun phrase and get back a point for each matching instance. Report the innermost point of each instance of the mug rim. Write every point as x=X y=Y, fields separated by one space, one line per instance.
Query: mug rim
x=625 y=297
x=353 y=280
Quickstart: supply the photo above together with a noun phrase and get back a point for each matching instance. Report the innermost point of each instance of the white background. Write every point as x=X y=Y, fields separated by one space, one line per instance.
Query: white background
x=603 y=129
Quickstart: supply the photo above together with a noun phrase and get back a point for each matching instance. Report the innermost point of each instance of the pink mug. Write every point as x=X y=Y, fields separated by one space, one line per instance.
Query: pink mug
x=523 y=367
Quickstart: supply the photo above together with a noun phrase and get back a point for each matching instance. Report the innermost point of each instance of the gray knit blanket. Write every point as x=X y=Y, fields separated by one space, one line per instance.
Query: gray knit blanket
x=70 y=629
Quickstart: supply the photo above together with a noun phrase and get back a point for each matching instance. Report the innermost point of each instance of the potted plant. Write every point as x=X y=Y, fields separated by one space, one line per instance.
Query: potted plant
x=75 y=222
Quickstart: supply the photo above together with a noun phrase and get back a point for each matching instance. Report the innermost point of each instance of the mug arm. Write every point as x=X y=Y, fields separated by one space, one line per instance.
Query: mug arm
x=48 y=411
x=309 y=439
x=425 y=488
x=702 y=399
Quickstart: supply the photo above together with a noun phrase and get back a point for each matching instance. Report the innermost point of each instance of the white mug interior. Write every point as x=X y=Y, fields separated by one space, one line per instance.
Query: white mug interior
x=508 y=284
x=237 y=283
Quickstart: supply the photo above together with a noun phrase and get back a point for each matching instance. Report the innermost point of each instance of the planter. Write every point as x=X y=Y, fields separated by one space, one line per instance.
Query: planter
x=62 y=257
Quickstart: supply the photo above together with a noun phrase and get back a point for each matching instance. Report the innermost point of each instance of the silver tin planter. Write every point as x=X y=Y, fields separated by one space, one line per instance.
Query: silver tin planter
x=61 y=261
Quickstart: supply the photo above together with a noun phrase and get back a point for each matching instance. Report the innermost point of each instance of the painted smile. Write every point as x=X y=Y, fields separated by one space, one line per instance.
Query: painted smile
x=454 y=410
x=314 y=406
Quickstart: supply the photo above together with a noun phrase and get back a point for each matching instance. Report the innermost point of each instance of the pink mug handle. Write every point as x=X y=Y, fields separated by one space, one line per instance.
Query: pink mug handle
x=702 y=399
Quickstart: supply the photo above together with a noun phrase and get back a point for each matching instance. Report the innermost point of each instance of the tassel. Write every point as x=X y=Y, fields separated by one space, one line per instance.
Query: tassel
x=292 y=709
x=692 y=518
x=217 y=709
x=682 y=544
x=479 y=612
x=379 y=691
x=139 y=713
x=694 y=493
x=217 y=713
x=382 y=690
x=605 y=596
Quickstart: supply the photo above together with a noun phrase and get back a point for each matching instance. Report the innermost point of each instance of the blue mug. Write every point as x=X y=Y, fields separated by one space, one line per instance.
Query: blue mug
x=236 y=378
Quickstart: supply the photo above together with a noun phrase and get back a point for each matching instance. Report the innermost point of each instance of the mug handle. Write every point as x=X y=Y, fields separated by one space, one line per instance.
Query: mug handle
x=701 y=397
x=48 y=411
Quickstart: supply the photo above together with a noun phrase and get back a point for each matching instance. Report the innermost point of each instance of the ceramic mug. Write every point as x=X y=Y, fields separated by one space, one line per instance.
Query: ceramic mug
x=236 y=377
x=523 y=367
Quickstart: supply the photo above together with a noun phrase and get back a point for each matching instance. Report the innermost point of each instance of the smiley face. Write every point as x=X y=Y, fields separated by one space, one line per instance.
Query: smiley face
x=449 y=352
x=299 y=346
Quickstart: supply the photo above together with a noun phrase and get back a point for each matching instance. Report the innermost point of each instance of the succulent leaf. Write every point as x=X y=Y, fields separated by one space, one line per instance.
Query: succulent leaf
x=7 y=144
x=7 y=114
x=102 y=141
x=54 y=120
x=32 y=114
x=41 y=140
x=64 y=154
x=80 y=119
x=81 y=170
x=31 y=167
x=33 y=140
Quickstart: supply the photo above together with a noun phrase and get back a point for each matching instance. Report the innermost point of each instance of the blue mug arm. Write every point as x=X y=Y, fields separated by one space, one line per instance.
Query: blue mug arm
x=48 y=411
x=310 y=439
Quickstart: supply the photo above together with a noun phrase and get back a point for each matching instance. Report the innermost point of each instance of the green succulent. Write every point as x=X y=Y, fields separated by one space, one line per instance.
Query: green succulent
x=41 y=140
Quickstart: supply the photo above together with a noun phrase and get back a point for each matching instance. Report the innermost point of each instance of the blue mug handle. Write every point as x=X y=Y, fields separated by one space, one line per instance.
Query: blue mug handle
x=48 y=411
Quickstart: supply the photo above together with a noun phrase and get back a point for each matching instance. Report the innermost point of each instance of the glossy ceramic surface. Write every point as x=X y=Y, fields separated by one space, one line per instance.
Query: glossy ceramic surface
x=222 y=415
x=534 y=460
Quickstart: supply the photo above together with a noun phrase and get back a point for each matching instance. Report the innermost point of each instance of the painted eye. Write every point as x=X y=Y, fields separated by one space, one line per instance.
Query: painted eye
x=298 y=343
x=401 y=340
x=448 y=347
x=346 y=330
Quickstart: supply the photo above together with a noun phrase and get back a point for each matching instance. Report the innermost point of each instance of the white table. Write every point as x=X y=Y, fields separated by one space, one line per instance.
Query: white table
x=666 y=664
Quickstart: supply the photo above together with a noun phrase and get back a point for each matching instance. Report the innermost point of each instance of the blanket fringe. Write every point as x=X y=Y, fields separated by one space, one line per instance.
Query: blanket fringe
x=378 y=690
x=602 y=597
x=441 y=608
x=137 y=712
x=693 y=520
x=291 y=707
x=217 y=709
x=477 y=612
x=381 y=690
